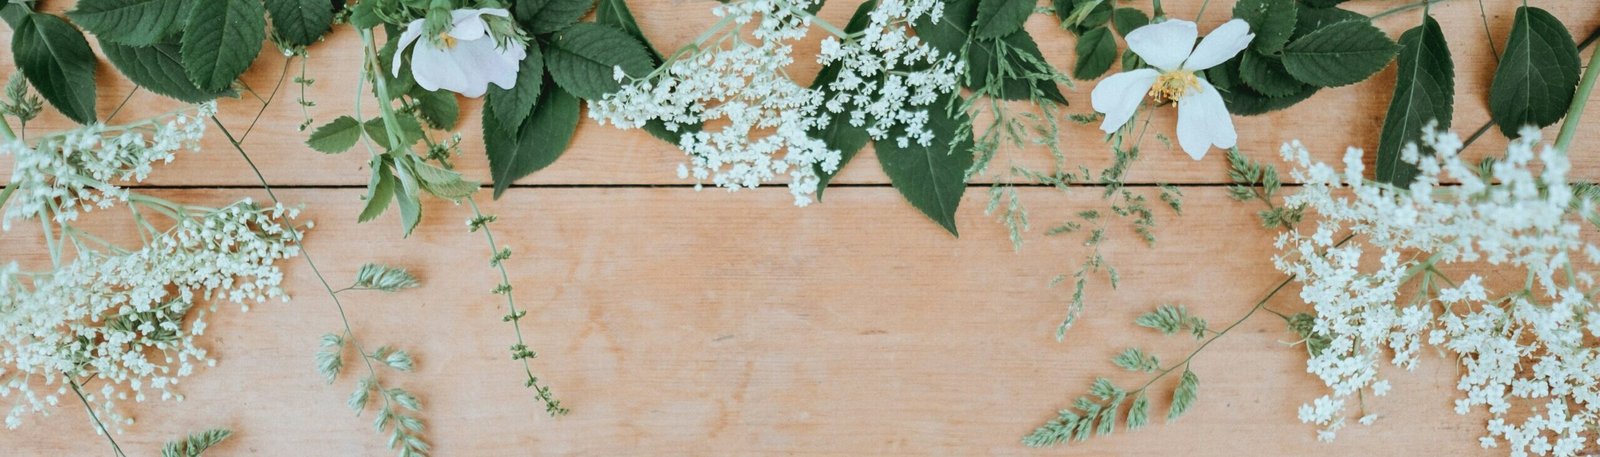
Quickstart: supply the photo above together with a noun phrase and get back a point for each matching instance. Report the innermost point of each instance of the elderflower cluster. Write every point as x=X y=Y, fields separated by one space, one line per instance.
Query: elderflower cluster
x=756 y=118
x=1528 y=356
x=73 y=171
x=890 y=76
x=128 y=321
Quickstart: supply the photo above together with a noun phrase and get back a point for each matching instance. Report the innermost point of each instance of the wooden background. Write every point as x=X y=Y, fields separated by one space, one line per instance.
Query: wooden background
x=676 y=322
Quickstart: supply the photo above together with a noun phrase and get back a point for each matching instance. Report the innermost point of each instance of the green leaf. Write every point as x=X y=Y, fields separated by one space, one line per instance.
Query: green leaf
x=440 y=182
x=1322 y=3
x=998 y=18
x=932 y=177
x=336 y=136
x=1538 y=73
x=537 y=143
x=1097 y=50
x=950 y=33
x=1017 y=61
x=1340 y=54
x=1079 y=16
x=410 y=131
x=547 y=16
x=128 y=22
x=582 y=59
x=438 y=108
x=1128 y=19
x=1244 y=101
x=380 y=190
x=220 y=41
x=1313 y=19
x=837 y=133
x=510 y=106
x=615 y=13
x=1267 y=76
x=405 y=196
x=300 y=22
x=1424 y=92
x=1271 y=20
x=363 y=15
x=56 y=59
x=159 y=69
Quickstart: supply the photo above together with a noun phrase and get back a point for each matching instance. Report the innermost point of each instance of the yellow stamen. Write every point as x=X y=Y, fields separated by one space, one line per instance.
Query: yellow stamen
x=448 y=41
x=1172 y=85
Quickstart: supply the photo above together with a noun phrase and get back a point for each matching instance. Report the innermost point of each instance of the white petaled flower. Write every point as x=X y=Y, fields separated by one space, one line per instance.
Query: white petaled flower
x=1203 y=119
x=464 y=59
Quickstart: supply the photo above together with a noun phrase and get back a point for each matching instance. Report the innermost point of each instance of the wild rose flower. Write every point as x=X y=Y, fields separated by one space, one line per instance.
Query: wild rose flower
x=465 y=58
x=1203 y=119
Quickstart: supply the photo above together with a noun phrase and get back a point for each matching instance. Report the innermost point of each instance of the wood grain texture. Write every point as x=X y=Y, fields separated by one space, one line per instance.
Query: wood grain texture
x=1328 y=123
x=679 y=324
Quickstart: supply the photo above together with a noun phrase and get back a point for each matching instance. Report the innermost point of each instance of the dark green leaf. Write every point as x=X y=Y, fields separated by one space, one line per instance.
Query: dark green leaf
x=380 y=190
x=1267 y=75
x=1424 y=92
x=1313 y=19
x=1271 y=20
x=1244 y=101
x=440 y=182
x=511 y=106
x=515 y=152
x=128 y=22
x=615 y=13
x=220 y=41
x=410 y=131
x=950 y=33
x=1322 y=3
x=1079 y=16
x=336 y=136
x=300 y=22
x=364 y=16
x=1538 y=73
x=1340 y=54
x=439 y=108
x=56 y=59
x=14 y=13
x=158 y=68
x=1019 y=65
x=932 y=177
x=998 y=18
x=582 y=59
x=1097 y=50
x=548 y=16
x=838 y=134
x=1128 y=19
x=406 y=197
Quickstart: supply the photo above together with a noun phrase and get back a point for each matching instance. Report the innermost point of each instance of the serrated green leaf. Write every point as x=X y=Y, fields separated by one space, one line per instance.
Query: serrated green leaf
x=56 y=59
x=615 y=13
x=582 y=59
x=1424 y=92
x=440 y=182
x=128 y=22
x=1340 y=54
x=406 y=197
x=1079 y=16
x=410 y=131
x=511 y=106
x=1538 y=73
x=1322 y=3
x=1266 y=75
x=1097 y=50
x=1244 y=101
x=1021 y=55
x=380 y=189
x=998 y=18
x=336 y=136
x=1273 y=21
x=950 y=33
x=300 y=22
x=837 y=133
x=548 y=16
x=363 y=15
x=220 y=40
x=537 y=143
x=932 y=177
x=1313 y=19
x=1128 y=19
x=157 y=68
x=439 y=108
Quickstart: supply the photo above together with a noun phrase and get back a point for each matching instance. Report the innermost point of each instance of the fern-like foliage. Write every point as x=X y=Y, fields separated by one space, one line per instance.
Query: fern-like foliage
x=1135 y=359
x=383 y=278
x=195 y=444
x=1171 y=319
x=1254 y=180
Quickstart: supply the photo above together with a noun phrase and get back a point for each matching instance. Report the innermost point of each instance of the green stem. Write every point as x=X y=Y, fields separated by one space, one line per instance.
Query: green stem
x=1404 y=8
x=551 y=405
x=1258 y=307
x=381 y=85
x=5 y=130
x=86 y=407
x=1569 y=127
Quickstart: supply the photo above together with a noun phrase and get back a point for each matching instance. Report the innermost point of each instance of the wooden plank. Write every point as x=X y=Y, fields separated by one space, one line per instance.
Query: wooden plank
x=688 y=324
x=1328 y=123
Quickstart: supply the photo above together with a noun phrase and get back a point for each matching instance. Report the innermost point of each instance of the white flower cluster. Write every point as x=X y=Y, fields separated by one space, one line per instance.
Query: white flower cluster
x=124 y=320
x=757 y=122
x=1532 y=349
x=73 y=171
x=890 y=76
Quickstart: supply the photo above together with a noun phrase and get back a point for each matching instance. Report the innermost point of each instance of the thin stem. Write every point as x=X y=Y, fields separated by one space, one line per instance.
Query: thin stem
x=1488 y=36
x=86 y=407
x=1202 y=11
x=1404 y=8
x=5 y=194
x=1569 y=127
x=270 y=97
x=5 y=130
x=124 y=103
x=1258 y=307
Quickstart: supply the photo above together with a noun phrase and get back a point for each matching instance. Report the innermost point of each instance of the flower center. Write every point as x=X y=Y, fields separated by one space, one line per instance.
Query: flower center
x=1172 y=85
x=447 y=41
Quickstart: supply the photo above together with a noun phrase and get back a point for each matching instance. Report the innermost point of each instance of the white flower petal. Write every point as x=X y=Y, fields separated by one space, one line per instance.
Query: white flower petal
x=467 y=25
x=1119 y=96
x=1164 y=45
x=489 y=64
x=436 y=69
x=1220 y=45
x=413 y=31
x=1203 y=121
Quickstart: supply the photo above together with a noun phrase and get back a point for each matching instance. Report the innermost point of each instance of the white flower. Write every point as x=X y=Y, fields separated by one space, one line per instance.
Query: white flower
x=464 y=59
x=1203 y=119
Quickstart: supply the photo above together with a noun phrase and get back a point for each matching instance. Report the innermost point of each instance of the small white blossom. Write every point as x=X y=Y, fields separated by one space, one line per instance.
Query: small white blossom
x=464 y=59
x=1203 y=119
